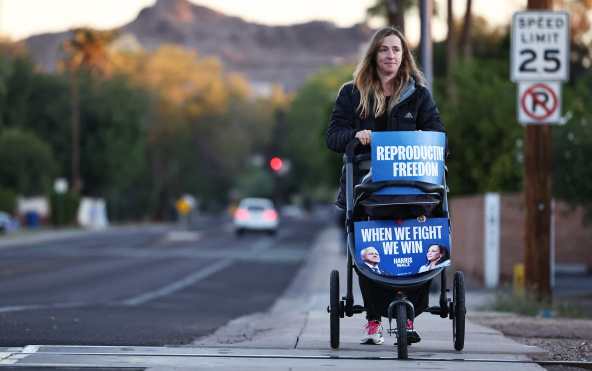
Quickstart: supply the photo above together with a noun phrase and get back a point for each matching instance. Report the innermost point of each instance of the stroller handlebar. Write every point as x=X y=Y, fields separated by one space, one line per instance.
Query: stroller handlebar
x=350 y=149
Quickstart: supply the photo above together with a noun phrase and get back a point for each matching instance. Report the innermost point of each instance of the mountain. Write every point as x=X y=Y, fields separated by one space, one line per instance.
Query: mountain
x=264 y=54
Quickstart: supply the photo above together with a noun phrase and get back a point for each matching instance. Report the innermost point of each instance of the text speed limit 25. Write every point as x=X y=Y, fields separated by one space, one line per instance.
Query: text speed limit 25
x=540 y=46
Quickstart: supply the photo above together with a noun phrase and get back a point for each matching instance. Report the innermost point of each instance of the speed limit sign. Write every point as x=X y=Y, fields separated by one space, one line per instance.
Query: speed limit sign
x=540 y=46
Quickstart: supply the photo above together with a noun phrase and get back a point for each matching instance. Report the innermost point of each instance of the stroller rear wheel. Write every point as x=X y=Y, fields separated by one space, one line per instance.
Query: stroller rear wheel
x=334 y=309
x=458 y=319
x=402 y=331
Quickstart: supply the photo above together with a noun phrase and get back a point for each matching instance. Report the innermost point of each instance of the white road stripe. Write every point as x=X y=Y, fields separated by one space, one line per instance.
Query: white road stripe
x=193 y=278
x=13 y=358
x=18 y=308
x=183 y=236
x=31 y=349
x=176 y=286
x=5 y=359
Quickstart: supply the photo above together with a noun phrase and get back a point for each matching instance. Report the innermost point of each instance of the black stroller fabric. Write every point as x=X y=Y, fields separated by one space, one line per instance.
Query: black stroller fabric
x=376 y=206
x=398 y=207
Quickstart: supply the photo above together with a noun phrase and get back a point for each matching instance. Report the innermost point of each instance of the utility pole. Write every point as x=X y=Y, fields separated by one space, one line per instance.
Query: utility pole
x=537 y=190
x=426 y=8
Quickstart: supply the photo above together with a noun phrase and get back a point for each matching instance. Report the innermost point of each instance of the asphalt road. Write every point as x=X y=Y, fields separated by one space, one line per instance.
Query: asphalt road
x=144 y=286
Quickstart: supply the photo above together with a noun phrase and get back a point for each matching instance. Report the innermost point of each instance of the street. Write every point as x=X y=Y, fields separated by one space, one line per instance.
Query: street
x=292 y=333
x=152 y=285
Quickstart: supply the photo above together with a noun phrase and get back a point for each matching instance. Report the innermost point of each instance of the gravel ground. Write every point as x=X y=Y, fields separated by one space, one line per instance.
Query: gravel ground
x=565 y=339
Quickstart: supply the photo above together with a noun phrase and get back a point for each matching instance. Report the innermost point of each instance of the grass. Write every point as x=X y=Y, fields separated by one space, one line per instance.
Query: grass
x=528 y=305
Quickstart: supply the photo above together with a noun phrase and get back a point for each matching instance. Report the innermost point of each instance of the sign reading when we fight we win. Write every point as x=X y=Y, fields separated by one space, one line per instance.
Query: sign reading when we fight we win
x=404 y=247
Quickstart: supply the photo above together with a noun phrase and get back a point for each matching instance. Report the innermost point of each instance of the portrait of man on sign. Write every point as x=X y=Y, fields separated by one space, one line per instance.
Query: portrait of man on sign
x=371 y=258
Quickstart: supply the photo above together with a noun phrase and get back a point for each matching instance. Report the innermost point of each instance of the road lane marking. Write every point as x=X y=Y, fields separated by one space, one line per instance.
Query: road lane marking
x=193 y=278
x=14 y=357
x=179 y=285
x=31 y=349
x=19 y=308
x=5 y=359
x=183 y=236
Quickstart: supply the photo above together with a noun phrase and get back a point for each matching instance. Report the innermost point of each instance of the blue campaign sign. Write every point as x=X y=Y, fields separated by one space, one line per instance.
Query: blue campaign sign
x=402 y=248
x=408 y=155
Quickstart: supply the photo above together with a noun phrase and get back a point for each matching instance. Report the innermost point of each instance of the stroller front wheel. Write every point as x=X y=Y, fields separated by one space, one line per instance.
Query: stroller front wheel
x=458 y=321
x=402 y=352
x=334 y=309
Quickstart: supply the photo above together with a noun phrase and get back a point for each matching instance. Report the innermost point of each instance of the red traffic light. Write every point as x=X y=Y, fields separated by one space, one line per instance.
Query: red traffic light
x=276 y=164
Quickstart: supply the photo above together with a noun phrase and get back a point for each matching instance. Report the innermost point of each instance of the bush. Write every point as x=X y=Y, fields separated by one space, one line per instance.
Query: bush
x=7 y=200
x=64 y=208
x=28 y=165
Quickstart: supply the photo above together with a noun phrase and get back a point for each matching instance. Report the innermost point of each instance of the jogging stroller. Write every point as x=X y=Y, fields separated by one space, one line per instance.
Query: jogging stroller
x=383 y=212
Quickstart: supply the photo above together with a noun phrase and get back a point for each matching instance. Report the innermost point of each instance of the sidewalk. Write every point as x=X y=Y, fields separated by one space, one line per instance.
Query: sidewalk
x=294 y=335
x=299 y=323
x=29 y=237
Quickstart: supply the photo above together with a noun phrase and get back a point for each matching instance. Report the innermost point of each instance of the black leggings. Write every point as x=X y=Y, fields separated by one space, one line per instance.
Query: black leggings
x=378 y=297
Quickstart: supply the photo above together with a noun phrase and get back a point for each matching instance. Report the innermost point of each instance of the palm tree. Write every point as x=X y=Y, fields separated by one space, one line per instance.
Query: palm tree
x=87 y=49
x=392 y=10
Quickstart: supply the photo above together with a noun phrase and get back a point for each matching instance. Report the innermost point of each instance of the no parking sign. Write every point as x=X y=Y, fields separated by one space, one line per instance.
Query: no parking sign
x=539 y=102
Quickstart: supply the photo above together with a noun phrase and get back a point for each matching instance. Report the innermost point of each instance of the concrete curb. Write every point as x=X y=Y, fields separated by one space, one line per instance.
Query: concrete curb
x=29 y=238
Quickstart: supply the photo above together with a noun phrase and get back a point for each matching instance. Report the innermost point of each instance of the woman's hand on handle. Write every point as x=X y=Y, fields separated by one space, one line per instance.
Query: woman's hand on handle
x=364 y=136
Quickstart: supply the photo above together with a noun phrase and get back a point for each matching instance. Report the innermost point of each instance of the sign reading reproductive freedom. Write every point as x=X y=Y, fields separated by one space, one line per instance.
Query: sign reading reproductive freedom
x=408 y=155
x=402 y=248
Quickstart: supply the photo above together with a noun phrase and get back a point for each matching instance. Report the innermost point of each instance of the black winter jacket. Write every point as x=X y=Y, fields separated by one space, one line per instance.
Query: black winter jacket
x=416 y=110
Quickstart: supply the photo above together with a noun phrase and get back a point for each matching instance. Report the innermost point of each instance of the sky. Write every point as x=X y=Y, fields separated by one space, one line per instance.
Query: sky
x=22 y=18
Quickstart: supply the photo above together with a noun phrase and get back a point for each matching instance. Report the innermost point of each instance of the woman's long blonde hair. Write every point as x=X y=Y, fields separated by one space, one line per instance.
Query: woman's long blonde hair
x=366 y=77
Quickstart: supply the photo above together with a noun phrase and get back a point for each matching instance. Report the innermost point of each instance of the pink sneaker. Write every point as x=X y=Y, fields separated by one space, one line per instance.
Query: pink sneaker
x=412 y=335
x=372 y=333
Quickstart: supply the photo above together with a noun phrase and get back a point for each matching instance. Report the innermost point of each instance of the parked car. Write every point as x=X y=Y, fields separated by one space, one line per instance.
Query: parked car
x=256 y=214
x=7 y=223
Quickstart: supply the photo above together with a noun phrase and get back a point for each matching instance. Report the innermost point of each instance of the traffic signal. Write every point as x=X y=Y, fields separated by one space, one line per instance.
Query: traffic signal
x=276 y=164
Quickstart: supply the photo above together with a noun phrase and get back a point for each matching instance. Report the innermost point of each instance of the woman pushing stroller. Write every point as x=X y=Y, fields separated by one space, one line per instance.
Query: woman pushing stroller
x=388 y=93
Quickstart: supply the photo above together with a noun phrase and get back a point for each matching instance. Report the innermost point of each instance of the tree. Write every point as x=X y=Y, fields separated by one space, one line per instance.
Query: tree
x=86 y=49
x=315 y=169
x=16 y=79
x=202 y=126
x=581 y=42
x=184 y=82
x=483 y=136
x=393 y=11
x=29 y=166
x=573 y=148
